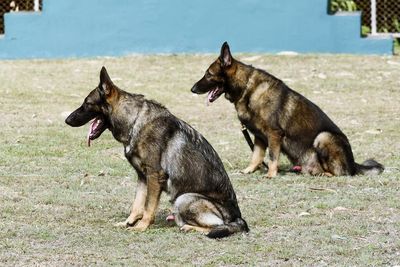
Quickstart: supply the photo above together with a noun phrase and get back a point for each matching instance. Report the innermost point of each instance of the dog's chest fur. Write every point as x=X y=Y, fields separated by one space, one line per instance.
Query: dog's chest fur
x=255 y=107
x=130 y=120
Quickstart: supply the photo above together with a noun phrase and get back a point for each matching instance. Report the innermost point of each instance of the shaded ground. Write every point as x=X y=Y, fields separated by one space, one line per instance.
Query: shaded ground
x=60 y=199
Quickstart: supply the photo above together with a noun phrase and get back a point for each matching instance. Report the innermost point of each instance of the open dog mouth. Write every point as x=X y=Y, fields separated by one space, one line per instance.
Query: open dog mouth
x=214 y=94
x=96 y=128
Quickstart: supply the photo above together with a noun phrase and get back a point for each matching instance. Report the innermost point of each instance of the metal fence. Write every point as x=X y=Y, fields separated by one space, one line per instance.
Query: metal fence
x=15 y=6
x=379 y=17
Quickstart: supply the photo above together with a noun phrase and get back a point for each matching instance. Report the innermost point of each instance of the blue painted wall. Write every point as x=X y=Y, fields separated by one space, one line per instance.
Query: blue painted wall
x=89 y=28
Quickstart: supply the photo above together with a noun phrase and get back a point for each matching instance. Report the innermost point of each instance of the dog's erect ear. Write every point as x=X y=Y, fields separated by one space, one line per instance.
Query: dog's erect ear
x=106 y=84
x=225 y=56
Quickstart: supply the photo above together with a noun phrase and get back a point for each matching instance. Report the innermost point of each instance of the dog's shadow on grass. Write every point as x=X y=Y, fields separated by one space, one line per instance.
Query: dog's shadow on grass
x=284 y=169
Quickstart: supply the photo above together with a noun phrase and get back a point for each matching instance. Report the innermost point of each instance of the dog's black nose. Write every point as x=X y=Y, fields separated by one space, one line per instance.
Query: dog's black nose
x=72 y=121
x=68 y=120
x=194 y=89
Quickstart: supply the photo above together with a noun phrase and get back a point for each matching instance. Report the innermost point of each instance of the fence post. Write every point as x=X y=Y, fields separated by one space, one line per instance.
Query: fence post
x=373 y=18
x=36 y=5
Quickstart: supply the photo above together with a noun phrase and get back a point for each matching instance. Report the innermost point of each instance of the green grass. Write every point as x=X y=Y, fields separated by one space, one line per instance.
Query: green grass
x=59 y=199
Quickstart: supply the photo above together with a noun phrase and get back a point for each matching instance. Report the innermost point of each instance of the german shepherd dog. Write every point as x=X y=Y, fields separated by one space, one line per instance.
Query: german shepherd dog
x=281 y=119
x=168 y=155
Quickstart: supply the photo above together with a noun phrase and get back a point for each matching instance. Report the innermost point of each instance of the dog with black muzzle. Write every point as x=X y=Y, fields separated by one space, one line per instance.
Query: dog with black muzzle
x=282 y=120
x=168 y=155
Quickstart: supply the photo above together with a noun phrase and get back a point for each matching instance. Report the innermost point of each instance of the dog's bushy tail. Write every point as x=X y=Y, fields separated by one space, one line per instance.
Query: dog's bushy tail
x=220 y=231
x=369 y=167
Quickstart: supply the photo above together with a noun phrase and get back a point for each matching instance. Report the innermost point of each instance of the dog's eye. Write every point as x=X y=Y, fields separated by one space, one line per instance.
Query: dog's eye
x=89 y=105
x=207 y=75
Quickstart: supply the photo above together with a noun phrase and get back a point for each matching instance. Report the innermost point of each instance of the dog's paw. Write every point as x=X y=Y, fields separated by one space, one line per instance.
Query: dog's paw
x=130 y=221
x=186 y=228
x=271 y=174
x=123 y=224
x=249 y=169
x=140 y=226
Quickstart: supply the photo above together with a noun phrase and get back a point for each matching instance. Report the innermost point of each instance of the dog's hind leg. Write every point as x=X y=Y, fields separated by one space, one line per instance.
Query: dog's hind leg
x=311 y=164
x=188 y=227
x=334 y=154
x=195 y=212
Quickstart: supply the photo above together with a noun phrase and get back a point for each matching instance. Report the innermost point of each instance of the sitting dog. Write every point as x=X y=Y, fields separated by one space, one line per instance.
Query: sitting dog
x=168 y=155
x=281 y=119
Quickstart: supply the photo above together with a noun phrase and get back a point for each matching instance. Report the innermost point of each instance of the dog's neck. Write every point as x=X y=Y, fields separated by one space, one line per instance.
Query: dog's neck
x=123 y=116
x=237 y=79
x=132 y=114
x=244 y=78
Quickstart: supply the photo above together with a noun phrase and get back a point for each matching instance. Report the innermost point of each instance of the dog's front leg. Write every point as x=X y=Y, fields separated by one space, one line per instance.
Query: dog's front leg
x=258 y=156
x=274 y=149
x=137 y=205
x=154 y=185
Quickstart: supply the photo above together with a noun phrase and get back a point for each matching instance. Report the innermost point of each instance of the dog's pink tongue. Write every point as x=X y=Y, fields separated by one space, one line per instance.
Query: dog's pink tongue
x=211 y=95
x=92 y=126
x=89 y=132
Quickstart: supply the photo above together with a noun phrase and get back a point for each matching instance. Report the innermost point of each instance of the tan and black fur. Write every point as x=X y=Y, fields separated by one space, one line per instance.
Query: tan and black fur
x=168 y=155
x=281 y=119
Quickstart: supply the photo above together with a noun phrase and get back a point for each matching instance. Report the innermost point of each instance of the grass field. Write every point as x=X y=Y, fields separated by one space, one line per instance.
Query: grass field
x=59 y=199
